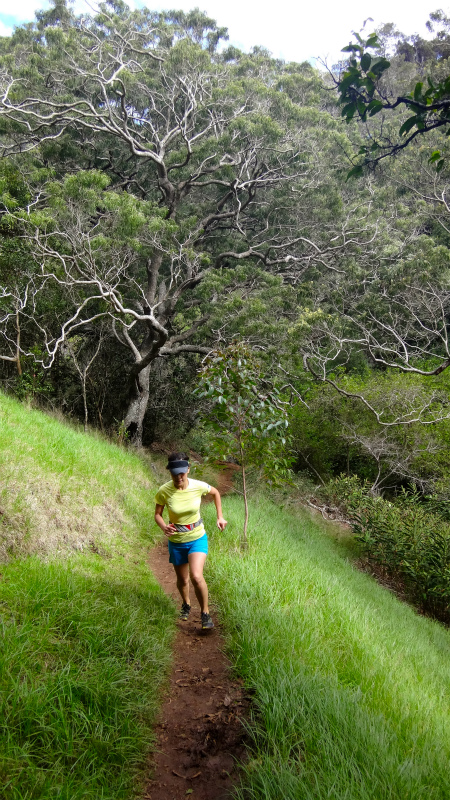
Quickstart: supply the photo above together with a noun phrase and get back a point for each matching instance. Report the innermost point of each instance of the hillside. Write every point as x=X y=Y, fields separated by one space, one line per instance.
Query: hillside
x=86 y=630
x=349 y=685
x=96 y=495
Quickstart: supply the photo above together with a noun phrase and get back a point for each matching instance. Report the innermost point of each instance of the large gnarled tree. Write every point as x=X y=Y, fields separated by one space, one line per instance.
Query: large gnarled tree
x=207 y=157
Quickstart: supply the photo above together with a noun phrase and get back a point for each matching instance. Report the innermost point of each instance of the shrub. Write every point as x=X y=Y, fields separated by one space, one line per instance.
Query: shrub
x=407 y=539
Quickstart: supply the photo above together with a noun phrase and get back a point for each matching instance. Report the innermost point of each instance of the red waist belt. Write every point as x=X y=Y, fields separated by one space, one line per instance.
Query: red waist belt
x=186 y=528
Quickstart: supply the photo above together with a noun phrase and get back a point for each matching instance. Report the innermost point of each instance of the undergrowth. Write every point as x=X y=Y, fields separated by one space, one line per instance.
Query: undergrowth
x=408 y=538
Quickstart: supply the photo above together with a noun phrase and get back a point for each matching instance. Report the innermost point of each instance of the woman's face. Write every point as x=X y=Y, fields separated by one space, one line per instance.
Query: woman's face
x=180 y=481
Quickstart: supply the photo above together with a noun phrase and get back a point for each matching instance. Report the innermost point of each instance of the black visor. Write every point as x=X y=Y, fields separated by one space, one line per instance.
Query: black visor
x=177 y=467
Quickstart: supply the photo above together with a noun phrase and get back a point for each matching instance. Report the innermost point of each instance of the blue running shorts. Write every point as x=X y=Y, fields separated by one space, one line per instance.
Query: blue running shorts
x=179 y=552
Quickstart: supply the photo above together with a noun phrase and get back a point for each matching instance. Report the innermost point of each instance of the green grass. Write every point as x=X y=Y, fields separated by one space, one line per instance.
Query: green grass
x=351 y=688
x=85 y=631
x=81 y=663
x=63 y=491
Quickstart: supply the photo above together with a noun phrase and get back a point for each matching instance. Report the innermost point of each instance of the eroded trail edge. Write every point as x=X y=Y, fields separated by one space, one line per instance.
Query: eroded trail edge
x=200 y=736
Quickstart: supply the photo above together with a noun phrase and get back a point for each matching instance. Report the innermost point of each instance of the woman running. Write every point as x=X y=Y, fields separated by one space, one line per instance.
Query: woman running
x=188 y=543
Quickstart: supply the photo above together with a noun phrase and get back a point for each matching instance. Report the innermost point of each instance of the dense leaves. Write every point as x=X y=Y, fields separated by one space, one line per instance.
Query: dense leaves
x=365 y=92
x=247 y=417
x=163 y=195
x=406 y=539
x=160 y=171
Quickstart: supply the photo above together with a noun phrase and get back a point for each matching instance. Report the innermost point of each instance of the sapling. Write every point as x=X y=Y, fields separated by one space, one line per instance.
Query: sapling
x=247 y=419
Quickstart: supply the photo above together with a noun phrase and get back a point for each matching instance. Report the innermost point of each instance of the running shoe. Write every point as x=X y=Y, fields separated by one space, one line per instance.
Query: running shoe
x=185 y=611
x=207 y=622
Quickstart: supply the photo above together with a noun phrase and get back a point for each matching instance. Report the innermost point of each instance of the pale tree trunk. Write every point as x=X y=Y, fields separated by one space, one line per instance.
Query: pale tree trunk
x=19 y=365
x=156 y=341
x=83 y=373
x=86 y=416
x=137 y=407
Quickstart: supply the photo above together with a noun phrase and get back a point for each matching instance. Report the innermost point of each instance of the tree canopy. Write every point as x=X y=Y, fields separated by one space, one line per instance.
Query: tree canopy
x=164 y=194
x=365 y=90
x=155 y=165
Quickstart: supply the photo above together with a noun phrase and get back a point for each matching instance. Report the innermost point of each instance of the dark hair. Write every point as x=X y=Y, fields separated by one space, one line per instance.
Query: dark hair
x=178 y=457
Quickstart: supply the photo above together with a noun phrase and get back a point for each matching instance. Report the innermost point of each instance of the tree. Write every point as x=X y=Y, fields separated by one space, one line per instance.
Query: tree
x=194 y=165
x=83 y=361
x=335 y=433
x=397 y=315
x=364 y=92
x=248 y=419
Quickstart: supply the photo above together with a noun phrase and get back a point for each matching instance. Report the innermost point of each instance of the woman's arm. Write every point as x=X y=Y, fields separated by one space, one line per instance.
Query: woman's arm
x=221 y=522
x=166 y=529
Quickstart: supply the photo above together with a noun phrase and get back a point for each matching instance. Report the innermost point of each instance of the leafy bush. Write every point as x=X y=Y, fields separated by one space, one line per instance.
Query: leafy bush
x=333 y=434
x=407 y=539
x=347 y=493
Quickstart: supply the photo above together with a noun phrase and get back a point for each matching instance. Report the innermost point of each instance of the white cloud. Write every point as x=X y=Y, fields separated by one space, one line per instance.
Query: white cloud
x=5 y=30
x=22 y=11
x=300 y=31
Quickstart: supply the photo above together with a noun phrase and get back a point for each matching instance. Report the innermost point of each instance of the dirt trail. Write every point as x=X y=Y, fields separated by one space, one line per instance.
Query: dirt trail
x=200 y=735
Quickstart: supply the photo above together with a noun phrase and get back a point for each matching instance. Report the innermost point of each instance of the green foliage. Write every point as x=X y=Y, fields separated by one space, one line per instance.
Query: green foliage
x=404 y=537
x=141 y=199
x=363 y=93
x=347 y=492
x=334 y=433
x=14 y=192
x=248 y=420
x=32 y=385
x=408 y=541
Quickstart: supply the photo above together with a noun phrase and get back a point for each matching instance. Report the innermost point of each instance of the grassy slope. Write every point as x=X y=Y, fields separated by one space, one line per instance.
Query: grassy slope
x=351 y=687
x=86 y=638
x=95 y=494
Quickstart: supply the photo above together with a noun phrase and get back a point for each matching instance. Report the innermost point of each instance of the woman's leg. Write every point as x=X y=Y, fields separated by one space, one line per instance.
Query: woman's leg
x=182 y=573
x=196 y=564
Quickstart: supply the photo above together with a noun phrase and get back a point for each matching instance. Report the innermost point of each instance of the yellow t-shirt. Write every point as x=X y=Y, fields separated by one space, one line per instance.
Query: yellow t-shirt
x=184 y=507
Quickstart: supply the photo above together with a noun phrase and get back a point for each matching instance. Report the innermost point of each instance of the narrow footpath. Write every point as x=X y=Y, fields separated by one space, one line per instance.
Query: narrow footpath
x=200 y=735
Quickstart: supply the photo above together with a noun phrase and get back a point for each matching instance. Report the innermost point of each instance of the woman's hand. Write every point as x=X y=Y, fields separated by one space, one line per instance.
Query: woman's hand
x=169 y=529
x=221 y=523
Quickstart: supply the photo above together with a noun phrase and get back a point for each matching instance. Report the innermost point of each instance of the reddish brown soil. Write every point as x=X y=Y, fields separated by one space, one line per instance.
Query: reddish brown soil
x=200 y=736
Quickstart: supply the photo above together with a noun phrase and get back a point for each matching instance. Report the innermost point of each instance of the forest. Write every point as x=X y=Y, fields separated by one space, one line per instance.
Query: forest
x=248 y=259
x=165 y=197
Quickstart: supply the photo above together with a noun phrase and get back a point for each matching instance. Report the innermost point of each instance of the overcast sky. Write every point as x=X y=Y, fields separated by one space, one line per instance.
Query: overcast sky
x=291 y=30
